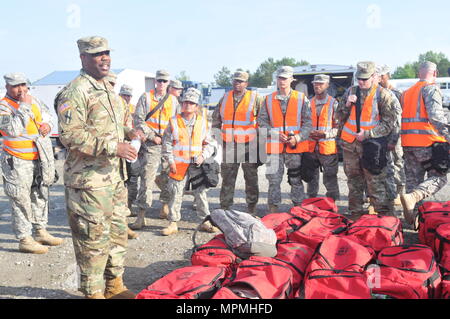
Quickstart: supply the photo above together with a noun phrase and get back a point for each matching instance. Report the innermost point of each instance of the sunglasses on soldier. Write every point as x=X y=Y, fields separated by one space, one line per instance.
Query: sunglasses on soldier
x=162 y=81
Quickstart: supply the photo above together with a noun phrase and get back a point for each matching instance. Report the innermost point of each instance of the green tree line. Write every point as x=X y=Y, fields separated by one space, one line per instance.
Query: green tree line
x=262 y=77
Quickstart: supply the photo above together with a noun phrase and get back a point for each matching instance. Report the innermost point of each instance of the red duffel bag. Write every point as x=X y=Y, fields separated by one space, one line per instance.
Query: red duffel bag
x=215 y=253
x=283 y=223
x=376 y=231
x=431 y=215
x=323 y=203
x=261 y=278
x=317 y=230
x=297 y=257
x=408 y=272
x=441 y=245
x=337 y=270
x=194 y=282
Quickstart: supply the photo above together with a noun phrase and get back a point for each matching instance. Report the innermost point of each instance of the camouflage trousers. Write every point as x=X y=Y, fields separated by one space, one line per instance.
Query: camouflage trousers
x=395 y=171
x=133 y=171
x=275 y=170
x=360 y=180
x=150 y=162
x=22 y=184
x=415 y=173
x=176 y=191
x=330 y=165
x=235 y=155
x=98 y=220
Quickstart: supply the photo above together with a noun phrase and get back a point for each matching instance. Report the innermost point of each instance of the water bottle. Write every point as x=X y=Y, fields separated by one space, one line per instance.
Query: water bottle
x=137 y=146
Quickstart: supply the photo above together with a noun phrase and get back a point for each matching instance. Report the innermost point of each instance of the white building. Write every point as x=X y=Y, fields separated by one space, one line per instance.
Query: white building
x=46 y=88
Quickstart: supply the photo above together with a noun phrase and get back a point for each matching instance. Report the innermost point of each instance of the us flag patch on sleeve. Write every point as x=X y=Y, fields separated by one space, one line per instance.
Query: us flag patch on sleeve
x=64 y=107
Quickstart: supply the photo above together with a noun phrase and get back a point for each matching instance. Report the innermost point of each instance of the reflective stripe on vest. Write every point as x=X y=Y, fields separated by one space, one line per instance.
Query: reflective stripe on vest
x=185 y=146
x=238 y=124
x=160 y=120
x=417 y=131
x=285 y=123
x=23 y=146
x=324 y=122
x=370 y=116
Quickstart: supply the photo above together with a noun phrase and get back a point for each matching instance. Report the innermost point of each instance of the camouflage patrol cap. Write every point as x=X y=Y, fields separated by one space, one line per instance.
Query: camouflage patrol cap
x=285 y=72
x=126 y=90
x=241 y=76
x=93 y=45
x=321 y=78
x=383 y=69
x=176 y=84
x=16 y=79
x=192 y=95
x=162 y=75
x=427 y=65
x=365 y=70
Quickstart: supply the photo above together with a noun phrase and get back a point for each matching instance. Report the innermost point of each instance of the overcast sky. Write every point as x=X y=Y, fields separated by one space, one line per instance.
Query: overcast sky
x=201 y=36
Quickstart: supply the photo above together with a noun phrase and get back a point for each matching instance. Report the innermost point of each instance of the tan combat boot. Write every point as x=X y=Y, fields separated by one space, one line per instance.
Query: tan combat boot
x=44 y=238
x=140 y=221
x=97 y=295
x=207 y=227
x=30 y=246
x=273 y=209
x=409 y=202
x=164 y=212
x=372 y=210
x=132 y=234
x=171 y=229
x=115 y=289
x=251 y=209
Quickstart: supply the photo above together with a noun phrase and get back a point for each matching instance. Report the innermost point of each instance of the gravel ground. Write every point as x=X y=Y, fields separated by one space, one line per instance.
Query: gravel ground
x=151 y=256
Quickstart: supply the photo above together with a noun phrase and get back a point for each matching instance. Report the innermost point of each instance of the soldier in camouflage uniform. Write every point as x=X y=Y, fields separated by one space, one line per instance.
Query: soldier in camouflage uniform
x=150 y=155
x=423 y=124
x=200 y=143
x=23 y=121
x=326 y=154
x=378 y=118
x=396 y=172
x=234 y=153
x=94 y=124
x=285 y=143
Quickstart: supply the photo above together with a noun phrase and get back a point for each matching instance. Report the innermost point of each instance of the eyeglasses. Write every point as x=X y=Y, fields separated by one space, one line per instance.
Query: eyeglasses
x=162 y=81
x=363 y=80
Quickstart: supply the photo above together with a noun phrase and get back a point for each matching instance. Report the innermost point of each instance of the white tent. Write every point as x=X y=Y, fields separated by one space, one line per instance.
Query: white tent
x=46 y=88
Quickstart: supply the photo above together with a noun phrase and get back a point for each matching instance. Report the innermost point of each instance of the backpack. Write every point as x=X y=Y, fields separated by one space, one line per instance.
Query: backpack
x=408 y=272
x=441 y=245
x=317 y=230
x=194 y=282
x=431 y=215
x=337 y=270
x=297 y=257
x=376 y=231
x=244 y=234
x=322 y=203
x=215 y=253
x=261 y=278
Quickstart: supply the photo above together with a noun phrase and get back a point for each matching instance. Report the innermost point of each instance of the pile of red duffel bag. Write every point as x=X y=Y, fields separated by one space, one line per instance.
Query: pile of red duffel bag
x=323 y=255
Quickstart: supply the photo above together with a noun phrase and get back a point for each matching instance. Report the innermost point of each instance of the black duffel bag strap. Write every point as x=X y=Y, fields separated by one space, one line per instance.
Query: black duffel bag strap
x=157 y=107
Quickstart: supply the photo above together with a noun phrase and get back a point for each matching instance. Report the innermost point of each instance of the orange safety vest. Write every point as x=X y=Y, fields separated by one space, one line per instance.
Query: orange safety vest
x=160 y=120
x=370 y=116
x=285 y=123
x=417 y=131
x=23 y=146
x=323 y=122
x=238 y=124
x=185 y=146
